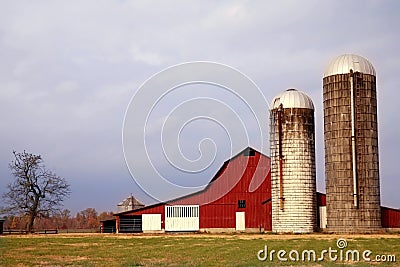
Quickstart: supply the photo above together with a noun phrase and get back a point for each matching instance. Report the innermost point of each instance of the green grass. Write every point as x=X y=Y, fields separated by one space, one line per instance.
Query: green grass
x=180 y=250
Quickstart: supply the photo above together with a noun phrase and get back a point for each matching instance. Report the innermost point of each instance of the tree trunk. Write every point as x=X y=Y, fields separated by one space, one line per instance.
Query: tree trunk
x=30 y=223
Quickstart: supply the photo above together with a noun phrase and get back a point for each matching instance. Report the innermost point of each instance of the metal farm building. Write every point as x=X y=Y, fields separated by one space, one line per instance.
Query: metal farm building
x=351 y=145
x=238 y=198
x=293 y=174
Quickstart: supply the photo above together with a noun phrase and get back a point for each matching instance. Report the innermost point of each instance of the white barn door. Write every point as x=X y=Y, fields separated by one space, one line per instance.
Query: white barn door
x=240 y=221
x=151 y=222
x=182 y=218
x=323 y=220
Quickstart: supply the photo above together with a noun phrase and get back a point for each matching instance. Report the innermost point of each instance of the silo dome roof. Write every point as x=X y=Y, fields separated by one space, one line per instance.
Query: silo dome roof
x=292 y=98
x=342 y=65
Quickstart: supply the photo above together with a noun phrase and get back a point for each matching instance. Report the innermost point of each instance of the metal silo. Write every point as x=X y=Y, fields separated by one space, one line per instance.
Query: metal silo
x=293 y=163
x=351 y=146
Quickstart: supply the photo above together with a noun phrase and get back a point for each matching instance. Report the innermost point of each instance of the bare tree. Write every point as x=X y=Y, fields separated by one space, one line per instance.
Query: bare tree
x=35 y=191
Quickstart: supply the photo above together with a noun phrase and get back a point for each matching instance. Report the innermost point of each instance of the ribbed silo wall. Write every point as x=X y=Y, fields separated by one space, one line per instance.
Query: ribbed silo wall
x=298 y=211
x=343 y=215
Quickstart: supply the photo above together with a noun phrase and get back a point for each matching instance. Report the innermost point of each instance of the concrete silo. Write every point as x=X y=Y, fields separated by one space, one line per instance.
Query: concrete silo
x=351 y=146
x=293 y=163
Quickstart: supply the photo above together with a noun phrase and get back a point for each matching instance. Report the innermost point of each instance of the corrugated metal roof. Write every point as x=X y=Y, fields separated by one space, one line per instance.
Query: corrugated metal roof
x=129 y=203
x=342 y=65
x=292 y=98
x=131 y=200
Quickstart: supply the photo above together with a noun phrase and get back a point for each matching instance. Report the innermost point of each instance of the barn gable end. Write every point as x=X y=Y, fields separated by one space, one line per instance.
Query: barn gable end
x=240 y=192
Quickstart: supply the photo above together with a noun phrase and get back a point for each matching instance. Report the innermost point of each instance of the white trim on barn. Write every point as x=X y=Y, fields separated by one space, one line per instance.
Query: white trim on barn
x=151 y=222
x=240 y=221
x=182 y=218
x=323 y=221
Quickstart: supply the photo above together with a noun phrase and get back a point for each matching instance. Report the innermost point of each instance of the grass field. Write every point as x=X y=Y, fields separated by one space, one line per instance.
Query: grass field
x=187 y=249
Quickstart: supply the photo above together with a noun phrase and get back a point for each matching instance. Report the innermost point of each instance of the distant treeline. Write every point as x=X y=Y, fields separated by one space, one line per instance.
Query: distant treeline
x=85 y=219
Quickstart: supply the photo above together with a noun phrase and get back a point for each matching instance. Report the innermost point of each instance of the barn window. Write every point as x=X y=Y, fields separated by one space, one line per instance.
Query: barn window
x=188 y=211
x=249 y=152
x=182 y=218
x=241 y=204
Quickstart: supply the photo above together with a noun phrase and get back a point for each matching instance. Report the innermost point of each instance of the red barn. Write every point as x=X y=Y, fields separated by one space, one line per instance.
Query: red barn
x=238 y=198
x=390 y=218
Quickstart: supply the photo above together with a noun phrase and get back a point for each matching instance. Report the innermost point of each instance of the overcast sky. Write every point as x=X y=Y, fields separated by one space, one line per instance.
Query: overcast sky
x=68 y=70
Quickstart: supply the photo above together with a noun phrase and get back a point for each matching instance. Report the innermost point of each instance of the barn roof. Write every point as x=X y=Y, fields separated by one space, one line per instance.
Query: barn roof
x=131 y=200
x=247 y=150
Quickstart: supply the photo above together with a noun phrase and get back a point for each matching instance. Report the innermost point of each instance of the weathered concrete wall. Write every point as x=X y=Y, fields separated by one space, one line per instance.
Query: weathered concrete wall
x=343 y=215
x=298 y=171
